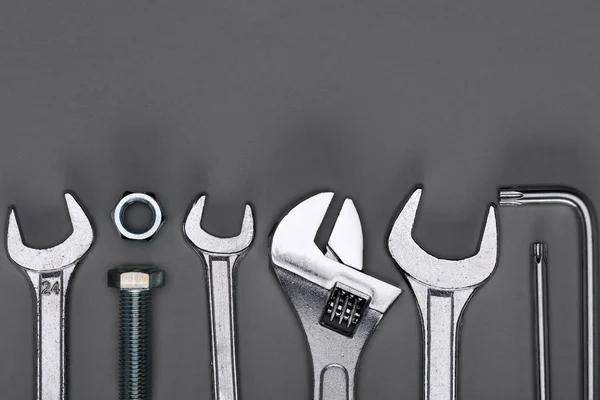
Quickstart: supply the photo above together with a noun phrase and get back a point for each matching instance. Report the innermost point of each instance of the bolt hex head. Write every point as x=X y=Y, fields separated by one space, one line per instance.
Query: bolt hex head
x=136 y=278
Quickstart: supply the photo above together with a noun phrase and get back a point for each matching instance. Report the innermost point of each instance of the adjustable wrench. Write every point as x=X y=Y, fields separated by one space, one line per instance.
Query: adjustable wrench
x=338 y=305
x=221 y=257
x=442 y=289
x=49 y=271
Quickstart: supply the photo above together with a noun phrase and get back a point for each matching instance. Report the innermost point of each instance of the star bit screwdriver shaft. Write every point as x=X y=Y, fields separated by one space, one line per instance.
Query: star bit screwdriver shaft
x=539 y=261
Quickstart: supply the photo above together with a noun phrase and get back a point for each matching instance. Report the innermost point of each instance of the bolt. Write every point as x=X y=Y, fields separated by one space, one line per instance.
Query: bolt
x=135 y=286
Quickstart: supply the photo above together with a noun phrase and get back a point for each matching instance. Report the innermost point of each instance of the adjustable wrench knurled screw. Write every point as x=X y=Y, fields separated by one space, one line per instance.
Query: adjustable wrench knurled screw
x=135 y=328
x=338 y=305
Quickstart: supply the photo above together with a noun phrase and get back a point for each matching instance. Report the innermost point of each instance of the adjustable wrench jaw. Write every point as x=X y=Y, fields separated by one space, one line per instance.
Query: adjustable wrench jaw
x=338 y=306
x=293 y=249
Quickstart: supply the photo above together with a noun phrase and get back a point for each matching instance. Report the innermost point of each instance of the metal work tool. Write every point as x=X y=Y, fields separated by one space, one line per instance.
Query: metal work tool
x=541 y=319
x=135 y=286
x=565 y=196
x=442 y=289
x=338 y=305
x=50 y=271
x=221 y=257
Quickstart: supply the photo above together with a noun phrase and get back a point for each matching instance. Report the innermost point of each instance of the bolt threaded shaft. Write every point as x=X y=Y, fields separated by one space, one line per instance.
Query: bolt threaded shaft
x=135 y=381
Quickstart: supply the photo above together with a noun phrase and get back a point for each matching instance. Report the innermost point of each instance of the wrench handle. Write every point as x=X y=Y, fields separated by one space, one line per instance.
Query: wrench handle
x=50 y=290
x=333 y=382
x=220 y=275
x=440 y=312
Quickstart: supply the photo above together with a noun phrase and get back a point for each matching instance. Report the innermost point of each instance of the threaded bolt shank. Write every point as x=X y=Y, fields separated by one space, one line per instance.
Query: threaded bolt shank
x=135 y=286
x=135 y=360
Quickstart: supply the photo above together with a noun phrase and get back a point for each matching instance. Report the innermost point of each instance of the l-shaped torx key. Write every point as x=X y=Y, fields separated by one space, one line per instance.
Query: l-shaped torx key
x=528 y=195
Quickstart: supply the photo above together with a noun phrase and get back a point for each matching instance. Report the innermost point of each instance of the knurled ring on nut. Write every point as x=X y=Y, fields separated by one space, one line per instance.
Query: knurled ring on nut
x=143 y=198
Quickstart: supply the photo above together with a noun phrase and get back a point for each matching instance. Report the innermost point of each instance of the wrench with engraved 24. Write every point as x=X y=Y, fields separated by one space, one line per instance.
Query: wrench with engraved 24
x=49 y=271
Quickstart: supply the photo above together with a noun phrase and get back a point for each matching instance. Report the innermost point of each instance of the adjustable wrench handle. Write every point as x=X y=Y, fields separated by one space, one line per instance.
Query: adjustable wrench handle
x=334 y=382
x=440 y=313
x=220 y=275
x=50 y=291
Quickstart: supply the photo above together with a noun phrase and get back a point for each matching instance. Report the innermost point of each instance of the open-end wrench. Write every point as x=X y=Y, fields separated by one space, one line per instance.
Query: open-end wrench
x=49 y=271
x=221 y=257
x=442 y=289
x=338 y=305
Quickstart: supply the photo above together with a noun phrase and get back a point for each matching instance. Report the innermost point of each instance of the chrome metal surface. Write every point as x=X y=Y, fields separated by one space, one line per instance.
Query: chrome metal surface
x=118 y=216
x=442 y=289
x=50 y=271
x=207 y=243
x=537 y=196
x=221 y=257
x=293 y=248
x=539 y=260
x=310 y=278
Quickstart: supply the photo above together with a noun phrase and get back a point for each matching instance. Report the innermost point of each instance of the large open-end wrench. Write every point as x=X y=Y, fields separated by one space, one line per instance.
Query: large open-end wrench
x=221 y=257
x=442 y=289
x=338 y=305
x=49 y=271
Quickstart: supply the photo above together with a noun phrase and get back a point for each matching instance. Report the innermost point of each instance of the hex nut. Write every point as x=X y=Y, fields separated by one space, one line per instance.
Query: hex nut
x=136 y=278
x=148 y=199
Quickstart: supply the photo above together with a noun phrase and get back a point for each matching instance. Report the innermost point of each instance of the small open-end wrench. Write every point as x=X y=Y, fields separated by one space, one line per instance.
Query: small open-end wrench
x=338 y=305
x=221 y=257
x=442 y=289
x=49 y=271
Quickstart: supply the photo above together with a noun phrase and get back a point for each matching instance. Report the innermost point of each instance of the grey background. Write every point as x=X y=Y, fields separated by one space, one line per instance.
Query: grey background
x=269 y=101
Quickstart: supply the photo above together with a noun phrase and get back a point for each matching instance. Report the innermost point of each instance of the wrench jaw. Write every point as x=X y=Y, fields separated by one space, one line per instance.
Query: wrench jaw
x=50 y=269
x=338 y=306
x=65 y=255
x=293 y=248
x=345 y=244
x=435 y=272
x=207 y=243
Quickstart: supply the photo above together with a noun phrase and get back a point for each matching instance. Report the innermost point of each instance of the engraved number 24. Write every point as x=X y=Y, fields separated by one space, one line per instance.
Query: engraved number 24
x=49 y=289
